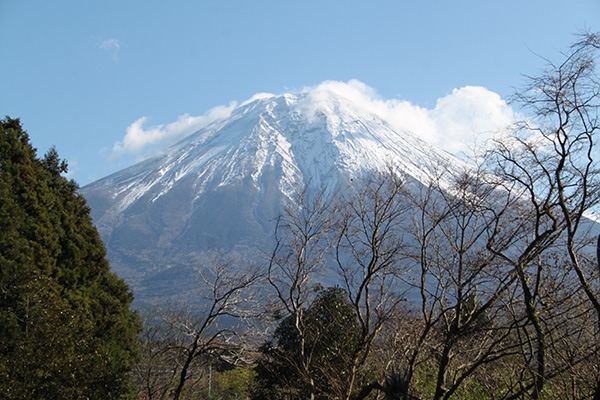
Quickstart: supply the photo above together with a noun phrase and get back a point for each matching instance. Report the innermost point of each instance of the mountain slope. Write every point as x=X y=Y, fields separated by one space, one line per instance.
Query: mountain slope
x=221 y=187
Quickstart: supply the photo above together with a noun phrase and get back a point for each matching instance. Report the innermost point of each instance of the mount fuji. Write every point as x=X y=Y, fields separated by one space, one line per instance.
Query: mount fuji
x=222 y=187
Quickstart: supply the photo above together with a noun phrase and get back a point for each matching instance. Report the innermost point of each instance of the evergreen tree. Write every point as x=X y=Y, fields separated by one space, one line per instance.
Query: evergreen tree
x=66 y=328
x=331 y=333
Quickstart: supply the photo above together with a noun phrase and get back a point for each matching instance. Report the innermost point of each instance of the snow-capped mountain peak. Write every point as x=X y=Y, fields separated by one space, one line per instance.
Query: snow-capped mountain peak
x=223 y=185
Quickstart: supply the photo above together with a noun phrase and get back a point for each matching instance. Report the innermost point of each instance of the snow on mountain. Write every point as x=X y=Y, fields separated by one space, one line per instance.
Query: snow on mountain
x=222 y=186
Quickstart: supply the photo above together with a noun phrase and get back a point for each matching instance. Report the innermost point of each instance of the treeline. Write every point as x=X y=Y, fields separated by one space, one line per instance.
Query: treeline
x=478 y=284
x=482 y=283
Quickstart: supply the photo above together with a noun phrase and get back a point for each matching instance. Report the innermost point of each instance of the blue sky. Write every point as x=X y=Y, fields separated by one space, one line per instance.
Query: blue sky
x=82 y=74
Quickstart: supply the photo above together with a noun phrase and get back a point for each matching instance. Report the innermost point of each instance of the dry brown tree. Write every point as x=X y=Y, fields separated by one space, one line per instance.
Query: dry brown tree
x=548 y=163
x=181 y=340
x=295 y=264
x=368 y=244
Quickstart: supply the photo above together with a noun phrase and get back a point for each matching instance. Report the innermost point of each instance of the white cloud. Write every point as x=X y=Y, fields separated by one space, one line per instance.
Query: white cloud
x=140 y=139
x=467 y=117
x=110 y=45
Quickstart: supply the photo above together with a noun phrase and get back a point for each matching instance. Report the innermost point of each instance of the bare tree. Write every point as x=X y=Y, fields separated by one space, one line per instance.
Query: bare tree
x=224 y=287
x=364 y=231
x=179 y=340
x=154 y=373
x=299 y=255
x=459 y=288
x=368 y=257
x=547 y=164
x=395 y=387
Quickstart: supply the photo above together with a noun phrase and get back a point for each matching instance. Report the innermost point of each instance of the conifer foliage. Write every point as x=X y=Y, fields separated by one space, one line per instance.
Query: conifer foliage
x=66 y=328
x=330 y=332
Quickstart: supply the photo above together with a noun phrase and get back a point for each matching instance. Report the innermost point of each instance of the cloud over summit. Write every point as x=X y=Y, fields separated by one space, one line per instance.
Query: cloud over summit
x=466 y=115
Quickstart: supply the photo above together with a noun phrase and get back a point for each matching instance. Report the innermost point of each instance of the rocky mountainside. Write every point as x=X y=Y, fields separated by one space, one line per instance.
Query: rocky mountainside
x=221 y=187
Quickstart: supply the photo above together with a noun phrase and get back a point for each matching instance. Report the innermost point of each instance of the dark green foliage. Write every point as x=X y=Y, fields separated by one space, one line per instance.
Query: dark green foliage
x=330 y=330
x=66 y=330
